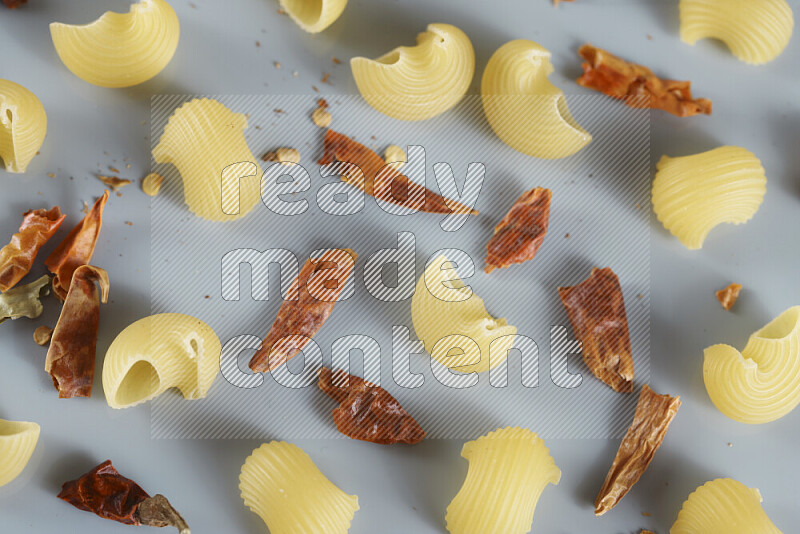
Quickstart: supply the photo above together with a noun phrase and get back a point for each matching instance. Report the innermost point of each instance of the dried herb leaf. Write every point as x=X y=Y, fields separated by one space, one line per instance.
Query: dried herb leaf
x=16 y=258
x=23 y=301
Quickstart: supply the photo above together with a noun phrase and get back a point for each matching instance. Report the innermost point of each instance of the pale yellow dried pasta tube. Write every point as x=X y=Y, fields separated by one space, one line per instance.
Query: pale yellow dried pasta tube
x=723 y=506
x=23 y=126
x=314 y=15
x=120 y=49
x=205 y=141
x=447 y=314
x=756 y=31
x=414 y=83
x=525 y=110
x=762 y=383
x=281 y=484
x=17 y=442
x=157 y=353
x=508 y=470
x=693 y=194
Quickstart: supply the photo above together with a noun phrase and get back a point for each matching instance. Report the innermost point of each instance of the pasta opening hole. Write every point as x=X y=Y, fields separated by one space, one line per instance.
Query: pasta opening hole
x=782 y=326
x=390 y=58
x=307 y=11
x=140 y=383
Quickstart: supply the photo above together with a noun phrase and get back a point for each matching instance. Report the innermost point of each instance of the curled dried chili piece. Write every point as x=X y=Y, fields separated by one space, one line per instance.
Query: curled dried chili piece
x=596 y=309
x=519 y=235
x=638 y=85
x=23 y=301
x=381 y=180
x=309 y=302
x=77 y=248
x=106 y=493
x=728 y=296
x=70 y=358
x=16 y=258
x=368 y=412
x=654 y=413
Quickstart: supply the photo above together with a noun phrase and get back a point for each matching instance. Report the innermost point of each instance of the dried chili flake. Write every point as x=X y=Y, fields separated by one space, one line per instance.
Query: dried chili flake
x=77 y=248
x=106 y=493
x=383 y=181
x=114 y=182
x=519 y=235
x=596 y=309
x=728 y=296
x=13 y=4
x=637 y=85
x=654 y=413
x=309 y=302
x=16 y=258
x=368 y=412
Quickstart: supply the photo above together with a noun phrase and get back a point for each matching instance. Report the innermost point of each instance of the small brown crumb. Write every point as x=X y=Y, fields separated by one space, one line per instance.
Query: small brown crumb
x=51 y=175
x=567 y=236
x=114 y=182
x=129 y=223
x=730 y=444
x=119 y=194
x=727 y=297
x=321 y=117
x=283 y=155
x=281 y=11
x=649 y=37
x=278 y=110
x=277 y=64
x=42 y=335
x=321 y=102
x=151 y=184
x=314 y=87
x=639 y=296
x=192 y=5
x=325 y=77
x=208 y=296
x=646 y=514
x=113 y=169
x=258 y=44
x=336 y=60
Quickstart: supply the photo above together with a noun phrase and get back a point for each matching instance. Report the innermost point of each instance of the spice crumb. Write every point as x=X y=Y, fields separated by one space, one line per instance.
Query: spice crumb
x=277 y=64
x=129 y=223
x=567 y=236
x=325 y=77
x=336 y=60
x=314 y=87
x=51 y=175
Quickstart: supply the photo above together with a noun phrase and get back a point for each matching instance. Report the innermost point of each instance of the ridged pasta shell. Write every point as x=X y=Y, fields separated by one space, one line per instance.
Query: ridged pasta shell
x=414 y=83
x=157 y=353
x=762 y=383
x=693 y=194
x=756 y=31
x=120 y=49
x=23 y=126
x=281 y=484
x=17 y=443
x=314 y=15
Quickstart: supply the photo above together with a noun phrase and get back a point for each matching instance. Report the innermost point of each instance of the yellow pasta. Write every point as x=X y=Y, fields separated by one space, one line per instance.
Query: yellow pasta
x=453 y=322
x=17 y=442
x=693 y=194
x=414 y=83
x=508 y=470
x=281 y=484
x=723 y=506
x=157 y=353
x=120 y=49
x=314 y=15
x=525 y=110
x=756 y=31
x=205 y=141
x=762 y=383
x=23 y=126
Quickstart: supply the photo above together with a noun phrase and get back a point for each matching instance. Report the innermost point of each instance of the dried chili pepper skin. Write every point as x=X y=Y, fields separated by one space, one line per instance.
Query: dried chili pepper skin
x=519 y=235
x=368 y=412
x=16 y=258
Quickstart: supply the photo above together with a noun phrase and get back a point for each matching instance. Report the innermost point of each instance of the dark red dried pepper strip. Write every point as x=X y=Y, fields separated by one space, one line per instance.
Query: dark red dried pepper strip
x=368 y=412
x=16 y=258
x=519 y=235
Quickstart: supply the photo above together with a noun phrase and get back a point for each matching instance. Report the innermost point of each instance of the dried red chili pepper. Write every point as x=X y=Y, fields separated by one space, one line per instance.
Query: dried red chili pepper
x=383 y=181
x=12 y=4
x=368 y=412
x=77 y=248
x=519 y=235
x=314 y=293
x=596 y=310
x=618 y=78
x=70 y=358
x=106 y=493
x=16 y=258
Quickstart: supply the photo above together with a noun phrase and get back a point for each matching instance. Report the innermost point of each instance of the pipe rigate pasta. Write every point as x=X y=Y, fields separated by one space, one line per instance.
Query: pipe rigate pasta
x=762 y=383
x=525 y=110
x=693 y=194
x=508 y=470
x=120 y=49
x=418 y=82
x=157 y=353
x=23 y=126
x=314 y=15
x=281 y=484
x=205 y=141
x=17 y=442
x=756 y=31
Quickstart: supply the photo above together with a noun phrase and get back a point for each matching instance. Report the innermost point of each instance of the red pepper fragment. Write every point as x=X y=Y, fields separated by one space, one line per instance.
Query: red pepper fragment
x=519 y=235
x=368 y=412
x=16 y=258
x=13 y=4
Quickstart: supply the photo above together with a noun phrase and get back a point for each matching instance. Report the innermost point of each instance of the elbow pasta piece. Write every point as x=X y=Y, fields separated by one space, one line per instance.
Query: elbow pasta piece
x=120 y=49
x=693 y=194
x=525 y=110
x=452 y=319
x=157 y=353
x=508 y=470
x=762 y=383
x=205 y=141
x=314 y=16
x=756 y=32
x=23 y=126
x=281 y=484
x=724 y=506
x=17 y=442
x=414 y=83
